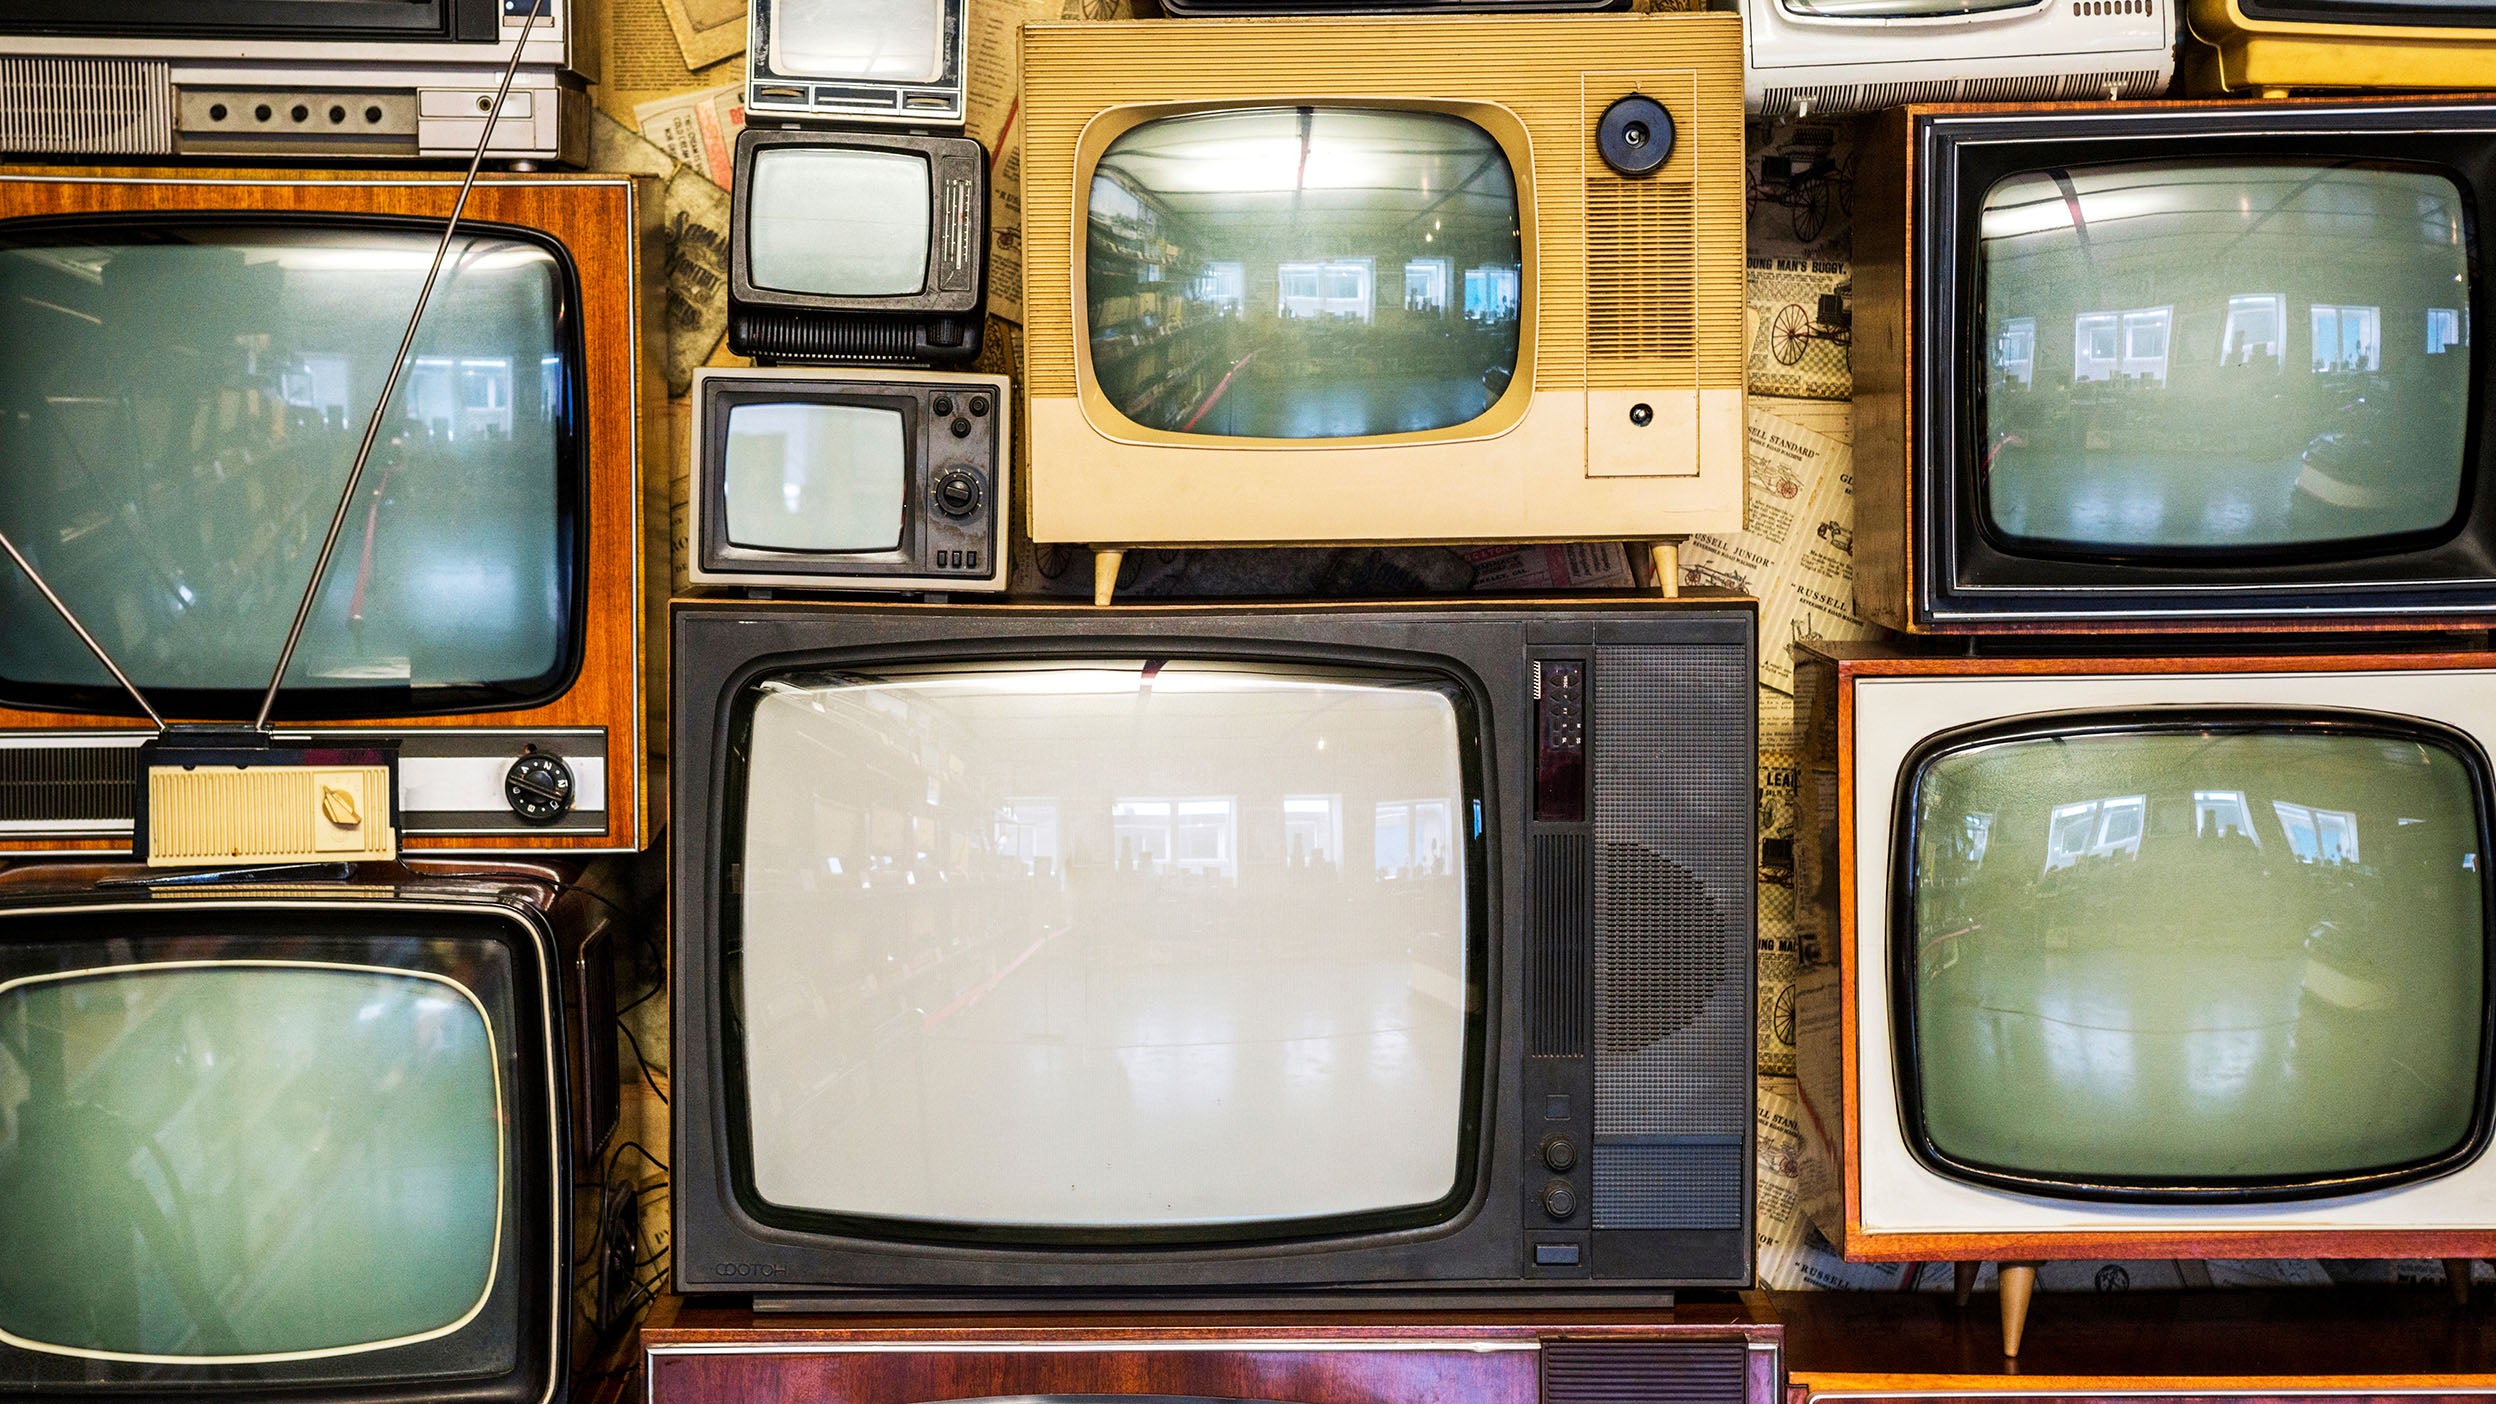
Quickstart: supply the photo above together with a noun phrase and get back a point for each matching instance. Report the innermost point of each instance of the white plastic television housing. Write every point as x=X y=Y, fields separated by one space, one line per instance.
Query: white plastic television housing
x=1798 y=64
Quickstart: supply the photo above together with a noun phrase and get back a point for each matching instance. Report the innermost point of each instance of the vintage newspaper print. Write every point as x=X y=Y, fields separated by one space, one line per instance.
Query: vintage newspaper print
x=698 y=128
x=1777 y=964
x=1799 y=188
x=693 y=227
x=1802 y=327
x=706 y=30
x=1575 y=565
x=1796 y=556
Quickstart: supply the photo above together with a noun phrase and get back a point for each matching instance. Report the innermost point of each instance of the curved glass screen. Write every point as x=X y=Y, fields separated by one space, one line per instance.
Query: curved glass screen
x=839 y=221
x=1303 y=273
x=268 y=1162
x=2223 y=357
x=1903 y=9
x=180 y=403
x=2182 y=957
x=882 y=41
x=1122 y=946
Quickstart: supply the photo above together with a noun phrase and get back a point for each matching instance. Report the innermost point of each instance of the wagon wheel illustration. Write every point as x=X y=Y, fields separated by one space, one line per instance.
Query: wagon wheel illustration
x=1789 y=334
x=1811 y=209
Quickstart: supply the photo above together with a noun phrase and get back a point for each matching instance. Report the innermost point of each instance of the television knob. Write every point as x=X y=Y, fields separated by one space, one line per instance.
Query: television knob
x=1559 y=1153
x=1559 y=1201
x=538 y=787
x=957 y=492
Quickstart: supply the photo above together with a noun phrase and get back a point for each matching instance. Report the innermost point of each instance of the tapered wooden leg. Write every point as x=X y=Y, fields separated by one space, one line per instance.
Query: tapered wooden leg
x=1105 y=575
x=1667 y=558
x=1963 y=1281
x=2457 y=1277
x=2019 y=1282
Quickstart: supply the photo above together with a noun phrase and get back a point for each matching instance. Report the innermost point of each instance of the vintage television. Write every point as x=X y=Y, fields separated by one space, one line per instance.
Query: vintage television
x=304 y=1136
x=188 y=361
x=806 y=478
x=290 y=79
x=2174 y=366
x=857 y=246
x=2267 y=47
x=898 y=61
x=1277 y=293
x=1805 y=58
x=1202 y=955
x=2145 y=957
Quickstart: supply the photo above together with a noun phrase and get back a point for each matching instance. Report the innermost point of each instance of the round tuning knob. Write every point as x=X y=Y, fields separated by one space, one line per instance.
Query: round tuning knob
x=957 y=492
x=538 y=787
x=1559 y=1201
x=1559 y=1153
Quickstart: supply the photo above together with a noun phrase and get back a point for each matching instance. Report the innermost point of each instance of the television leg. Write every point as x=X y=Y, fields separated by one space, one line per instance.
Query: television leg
x=1963 y=1281
x=2457 y=1277
x=1105 y=574
x=2019 y=1280
x=1666 y=556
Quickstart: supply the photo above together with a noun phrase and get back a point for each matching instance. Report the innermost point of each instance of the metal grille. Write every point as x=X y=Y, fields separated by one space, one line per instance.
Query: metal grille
x=1644 y=1372
x=86 y=106
x=69 y=784
x=1678 y=1184
x=1641 y=273
x=1674 y=772
x=1857 y=97
x=1557 y=921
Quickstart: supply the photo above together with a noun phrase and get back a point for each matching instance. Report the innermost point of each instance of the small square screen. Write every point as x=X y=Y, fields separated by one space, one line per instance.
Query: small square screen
x=2186 y=955
x=838 y=222
x=1117 y=944
x=271 y=1160
x=2223 y=357
x=815 y=477
x=881 y=41
x=1303 y=273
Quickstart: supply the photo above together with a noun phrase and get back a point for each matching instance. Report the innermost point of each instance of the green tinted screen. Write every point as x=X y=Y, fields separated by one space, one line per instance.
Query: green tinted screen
x=1303 y=273
x=240 y=1160
x=2193 y=955
x=2223 y=356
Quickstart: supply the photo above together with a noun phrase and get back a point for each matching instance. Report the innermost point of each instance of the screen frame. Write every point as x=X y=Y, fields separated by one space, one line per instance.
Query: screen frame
x=1902 y=953
x=941 y=155
x=2321 y=13
x=1464 y=693
x=358 y=926
x=573 y=457
x=1959 y=576
x=775 y=92
x=1503 y=414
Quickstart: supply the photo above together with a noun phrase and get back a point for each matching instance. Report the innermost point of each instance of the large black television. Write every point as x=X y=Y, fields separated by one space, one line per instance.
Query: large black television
x=1213 y=954
x=302 y=1135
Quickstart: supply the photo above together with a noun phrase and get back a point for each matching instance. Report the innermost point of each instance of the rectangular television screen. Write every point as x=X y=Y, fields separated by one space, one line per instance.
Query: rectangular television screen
x=265 y=1148
x=816 y=477
x=2228 y=957
x=2243 y=358
x=1334 y=272
x=839 y=221
x=866 y=41
x=1134 y=949
x=181 y=399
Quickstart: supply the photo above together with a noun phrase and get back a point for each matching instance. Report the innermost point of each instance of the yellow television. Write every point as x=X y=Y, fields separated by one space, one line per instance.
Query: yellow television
x=1382 y=279
x=2275 y=47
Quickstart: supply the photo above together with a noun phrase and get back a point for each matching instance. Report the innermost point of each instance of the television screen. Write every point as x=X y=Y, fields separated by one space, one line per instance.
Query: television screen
x=1155 y=949
x=1329 y=272
x=2241 y=357
x=815 y=477
x=839 y=221
x=180 y=402
x=883 y=41
x=289 y=1151
x=2178 y=956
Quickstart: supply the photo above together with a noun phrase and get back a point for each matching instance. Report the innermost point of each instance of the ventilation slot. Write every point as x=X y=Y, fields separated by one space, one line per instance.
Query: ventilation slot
x=69 y=784
x=1558 y=930
x=1673 y=867
x=86 y=107
x=1643 y=1372
x=801 y=337
x=1641 y=281
x=1856 y=97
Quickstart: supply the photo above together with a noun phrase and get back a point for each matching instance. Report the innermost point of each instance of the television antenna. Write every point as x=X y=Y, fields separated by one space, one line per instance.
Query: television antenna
x=390 y=383
x=62 y=609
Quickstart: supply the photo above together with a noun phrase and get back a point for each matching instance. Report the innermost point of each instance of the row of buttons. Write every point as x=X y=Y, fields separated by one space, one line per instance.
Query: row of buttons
x=957 y=560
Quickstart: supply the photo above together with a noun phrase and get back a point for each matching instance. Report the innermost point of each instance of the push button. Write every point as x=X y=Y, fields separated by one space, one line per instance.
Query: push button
x=942 y=405
x=1555 y=1255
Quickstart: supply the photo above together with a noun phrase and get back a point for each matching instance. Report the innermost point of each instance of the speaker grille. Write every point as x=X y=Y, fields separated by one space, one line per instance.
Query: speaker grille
x=86 y=106
x=1641 y=277
x=1857 y=97
x=1557 y=927
x=1643 y=1372
x=1674 y=815
x=69 y=784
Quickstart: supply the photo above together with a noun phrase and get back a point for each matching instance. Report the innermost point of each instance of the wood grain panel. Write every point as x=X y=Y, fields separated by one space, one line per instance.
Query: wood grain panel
x=595 y=218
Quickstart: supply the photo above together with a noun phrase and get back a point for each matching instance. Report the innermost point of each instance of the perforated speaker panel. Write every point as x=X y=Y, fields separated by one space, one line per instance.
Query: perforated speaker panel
x=1673 y=819
x=1643 y=1372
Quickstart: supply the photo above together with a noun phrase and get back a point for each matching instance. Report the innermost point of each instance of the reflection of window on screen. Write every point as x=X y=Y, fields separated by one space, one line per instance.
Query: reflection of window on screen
x=1222 y=284
x=1425 y=284
x=2443 y=330
x=1027 y=833
x=2254 y=322
x=2093 y=345
x=2095 y=829
x=2223 y=814
x=2318 y=835
x=2347 y=338
x=1490 y=294
x=2145 y=342
x=1412 y=839
x=2015 y=351
x=1333 y=288
x=1313 y=830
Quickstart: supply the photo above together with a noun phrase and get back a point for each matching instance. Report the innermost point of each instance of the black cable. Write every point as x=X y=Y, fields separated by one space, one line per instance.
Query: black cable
x=644 y=1064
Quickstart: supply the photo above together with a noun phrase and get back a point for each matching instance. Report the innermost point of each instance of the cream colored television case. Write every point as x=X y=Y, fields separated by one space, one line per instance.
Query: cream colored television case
x=1632 y=288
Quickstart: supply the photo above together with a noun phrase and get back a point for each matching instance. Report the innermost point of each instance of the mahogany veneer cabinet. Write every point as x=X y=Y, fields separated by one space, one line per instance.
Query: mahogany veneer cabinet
x=1707 y=1354
x=2286 y=1346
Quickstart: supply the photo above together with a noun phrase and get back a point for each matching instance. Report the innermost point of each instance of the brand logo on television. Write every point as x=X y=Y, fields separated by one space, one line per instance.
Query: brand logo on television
x=750 y=1270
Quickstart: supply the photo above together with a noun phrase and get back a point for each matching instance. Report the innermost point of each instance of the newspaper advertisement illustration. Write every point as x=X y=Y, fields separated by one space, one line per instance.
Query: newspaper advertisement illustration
x=1802 y=327
x=698 y=128
x=1796 y=556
